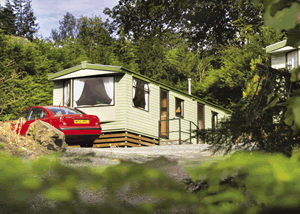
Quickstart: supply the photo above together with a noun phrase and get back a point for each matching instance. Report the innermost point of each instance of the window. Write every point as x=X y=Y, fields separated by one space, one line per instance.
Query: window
x=63 y=110
x=37 y=113
x=24 y=114
x=67 y=92
x=178 y=107
x=140 y=94
x=93 y=91
x=292 y=60
x=214 y=120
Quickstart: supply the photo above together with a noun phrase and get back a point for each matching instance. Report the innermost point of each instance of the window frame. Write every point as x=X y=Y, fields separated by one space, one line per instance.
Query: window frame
x=97 y=105
x=35 y=109
x=213 y=114
x=70 y=86
x=286 y=59
x=134 y=78
x=181 y=107
x=27 y=115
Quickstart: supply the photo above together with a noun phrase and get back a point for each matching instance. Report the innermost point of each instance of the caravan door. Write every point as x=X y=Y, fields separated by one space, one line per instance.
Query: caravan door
x=164 y=113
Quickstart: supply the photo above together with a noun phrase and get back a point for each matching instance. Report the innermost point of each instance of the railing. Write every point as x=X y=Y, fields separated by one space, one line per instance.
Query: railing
x=180 y=131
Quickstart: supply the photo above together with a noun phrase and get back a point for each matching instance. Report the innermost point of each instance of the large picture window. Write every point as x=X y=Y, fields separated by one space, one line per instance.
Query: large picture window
x=93 y=91
x=67 y=92
x=140 y=94
x=292 y=60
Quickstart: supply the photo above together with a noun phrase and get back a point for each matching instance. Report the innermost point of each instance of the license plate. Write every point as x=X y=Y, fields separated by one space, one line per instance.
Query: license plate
x=81 y=121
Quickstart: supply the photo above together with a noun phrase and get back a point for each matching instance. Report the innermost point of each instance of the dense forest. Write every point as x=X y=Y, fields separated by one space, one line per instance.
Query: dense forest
x=216 y=43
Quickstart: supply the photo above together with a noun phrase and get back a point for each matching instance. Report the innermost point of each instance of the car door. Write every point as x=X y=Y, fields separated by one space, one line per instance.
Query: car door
x=25 y=114
x=36 y=114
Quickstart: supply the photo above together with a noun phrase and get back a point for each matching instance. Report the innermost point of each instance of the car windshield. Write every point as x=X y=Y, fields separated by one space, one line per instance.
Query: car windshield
x=63 y=110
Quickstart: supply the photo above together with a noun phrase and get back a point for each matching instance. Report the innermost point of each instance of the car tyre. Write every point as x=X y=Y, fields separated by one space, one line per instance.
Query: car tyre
x=89 y=144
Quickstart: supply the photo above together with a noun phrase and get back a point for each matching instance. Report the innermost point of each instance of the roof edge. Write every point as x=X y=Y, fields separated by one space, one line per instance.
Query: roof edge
x=176 y=90
x=85 y=65
x=276 y=46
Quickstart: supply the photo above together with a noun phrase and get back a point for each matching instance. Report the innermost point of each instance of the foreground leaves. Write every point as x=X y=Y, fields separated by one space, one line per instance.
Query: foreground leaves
x=242 y=183
x=22 y=181
x=260 y=183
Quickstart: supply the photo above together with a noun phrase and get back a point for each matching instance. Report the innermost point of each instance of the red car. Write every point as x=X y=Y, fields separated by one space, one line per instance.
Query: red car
x=78 y=127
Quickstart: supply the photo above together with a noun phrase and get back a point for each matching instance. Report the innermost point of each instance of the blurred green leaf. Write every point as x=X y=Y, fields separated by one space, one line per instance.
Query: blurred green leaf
x=280 y=5
x=281 y=173
x=271 y=104
x=295 y=74
x=293 y=39
x=31 y=183
x=282 y=19
x=58 y=193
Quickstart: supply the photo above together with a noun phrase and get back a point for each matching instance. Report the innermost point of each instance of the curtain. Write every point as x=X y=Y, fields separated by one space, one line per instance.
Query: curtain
x=146 y=88
x=109 y=87
x=133 y=90
x=67 y=92
x=78 y=89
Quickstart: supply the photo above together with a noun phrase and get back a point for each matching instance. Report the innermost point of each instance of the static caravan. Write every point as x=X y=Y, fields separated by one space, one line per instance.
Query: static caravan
x=134 y=110
x=283 y=56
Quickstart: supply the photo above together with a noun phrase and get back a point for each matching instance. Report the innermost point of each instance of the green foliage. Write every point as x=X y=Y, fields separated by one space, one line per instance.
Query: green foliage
x=260 y=183
x=242 y=183
x=6 y=117
x=144 y=19
x=68 y=29
x=22 y=181
x=24 y=19
x=252 y=120
x=283 y=15
x=7 y=19
x=227 y=85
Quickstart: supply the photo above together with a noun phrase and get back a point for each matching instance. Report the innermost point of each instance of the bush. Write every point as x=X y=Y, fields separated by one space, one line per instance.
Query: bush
x=259 y=183
x=249 y=182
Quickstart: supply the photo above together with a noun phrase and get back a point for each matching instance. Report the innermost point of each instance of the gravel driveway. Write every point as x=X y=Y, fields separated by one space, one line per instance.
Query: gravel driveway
x=183 y=155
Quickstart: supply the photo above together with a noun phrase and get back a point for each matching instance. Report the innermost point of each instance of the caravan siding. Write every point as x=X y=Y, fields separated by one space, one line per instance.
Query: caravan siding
x=208 y=116
x=58 y=92
x=278 y=60
x=141 y=121
x=189 y=113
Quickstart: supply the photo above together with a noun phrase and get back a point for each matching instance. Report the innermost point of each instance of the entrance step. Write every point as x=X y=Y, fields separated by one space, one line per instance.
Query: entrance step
x=173 y=142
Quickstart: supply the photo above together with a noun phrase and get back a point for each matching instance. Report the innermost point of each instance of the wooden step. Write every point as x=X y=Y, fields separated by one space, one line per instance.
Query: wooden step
x=124 y=139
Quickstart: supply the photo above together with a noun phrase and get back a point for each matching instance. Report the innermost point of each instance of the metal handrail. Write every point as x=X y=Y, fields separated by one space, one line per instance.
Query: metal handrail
x=190 y=131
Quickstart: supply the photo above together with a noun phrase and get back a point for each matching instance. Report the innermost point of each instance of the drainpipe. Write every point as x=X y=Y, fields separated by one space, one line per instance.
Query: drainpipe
x=190 y=87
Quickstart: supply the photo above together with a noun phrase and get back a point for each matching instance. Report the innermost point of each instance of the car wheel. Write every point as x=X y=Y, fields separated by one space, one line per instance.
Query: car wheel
x=89 y=144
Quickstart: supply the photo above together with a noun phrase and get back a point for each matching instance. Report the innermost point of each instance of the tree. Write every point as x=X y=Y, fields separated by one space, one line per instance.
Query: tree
x=68 y=29
x=207 y=24
x=182 y=63
x=7 y=19
x=25 y=19
x=212 y=23
x=125 y=51
x=225 y=85
x=285 y=15
x=95 y=39
x=266 y=97
x=141 y=18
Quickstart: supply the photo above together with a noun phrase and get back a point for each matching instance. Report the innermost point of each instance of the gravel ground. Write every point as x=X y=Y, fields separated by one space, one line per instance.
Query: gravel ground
x=181 y=156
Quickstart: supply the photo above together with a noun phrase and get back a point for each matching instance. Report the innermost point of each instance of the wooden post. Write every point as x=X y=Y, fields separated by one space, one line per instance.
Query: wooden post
x=126 y=139
x=140 y=140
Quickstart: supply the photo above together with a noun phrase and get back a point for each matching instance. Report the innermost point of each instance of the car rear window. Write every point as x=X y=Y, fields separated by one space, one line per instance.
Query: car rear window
x=63 y=110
